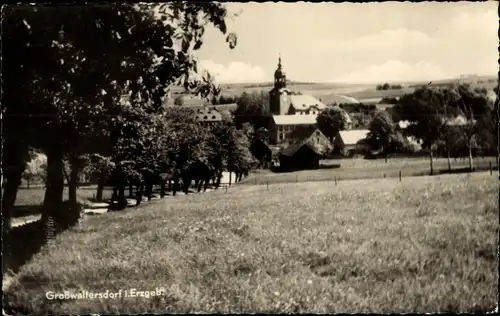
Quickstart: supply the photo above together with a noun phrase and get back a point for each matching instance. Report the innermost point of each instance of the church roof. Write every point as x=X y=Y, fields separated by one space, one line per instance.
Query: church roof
x=295 y=119
x=304 y=101
x=279 y=72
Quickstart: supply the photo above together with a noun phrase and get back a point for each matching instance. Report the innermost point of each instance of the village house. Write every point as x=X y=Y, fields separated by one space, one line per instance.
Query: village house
x=305 y=146
x=204 y=112
x=311 y=135
x=282 y=125
x=350 y=143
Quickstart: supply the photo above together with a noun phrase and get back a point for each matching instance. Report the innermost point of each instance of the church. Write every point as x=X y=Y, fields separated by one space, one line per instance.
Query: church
x=290 y=109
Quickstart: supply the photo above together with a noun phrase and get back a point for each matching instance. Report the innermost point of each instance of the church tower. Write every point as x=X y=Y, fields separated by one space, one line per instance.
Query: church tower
x=278 y=97
x=279 y=76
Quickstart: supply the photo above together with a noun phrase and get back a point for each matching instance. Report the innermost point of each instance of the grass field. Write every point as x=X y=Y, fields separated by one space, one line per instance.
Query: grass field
x=425 y=245
x=29 y=201
x=344 y=169
x=35 y=196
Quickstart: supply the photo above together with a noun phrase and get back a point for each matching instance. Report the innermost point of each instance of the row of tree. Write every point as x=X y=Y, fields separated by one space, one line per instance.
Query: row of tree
x=455 y=121
x=74 y=100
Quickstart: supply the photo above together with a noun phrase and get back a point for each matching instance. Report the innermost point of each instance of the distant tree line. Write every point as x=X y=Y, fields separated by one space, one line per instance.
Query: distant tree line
x=387 y=86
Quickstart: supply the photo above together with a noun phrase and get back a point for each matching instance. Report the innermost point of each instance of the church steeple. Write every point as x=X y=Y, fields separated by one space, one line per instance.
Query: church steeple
x=279 y=76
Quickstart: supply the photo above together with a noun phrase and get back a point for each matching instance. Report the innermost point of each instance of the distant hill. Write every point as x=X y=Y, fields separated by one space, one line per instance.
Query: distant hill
x=329 y=92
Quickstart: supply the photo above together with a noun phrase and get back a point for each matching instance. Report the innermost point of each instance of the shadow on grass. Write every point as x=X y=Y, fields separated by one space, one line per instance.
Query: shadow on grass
x=281 y=170
x=25 y=241
x=26 y=210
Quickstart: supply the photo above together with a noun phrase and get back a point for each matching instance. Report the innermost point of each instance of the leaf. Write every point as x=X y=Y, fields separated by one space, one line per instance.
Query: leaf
x=232 y=39
x=198 y=44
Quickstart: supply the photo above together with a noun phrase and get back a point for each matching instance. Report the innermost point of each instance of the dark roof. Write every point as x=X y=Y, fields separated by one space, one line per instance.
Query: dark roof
x=220 y=107
x=259 y=143
x=293 y=149
x=301 y=133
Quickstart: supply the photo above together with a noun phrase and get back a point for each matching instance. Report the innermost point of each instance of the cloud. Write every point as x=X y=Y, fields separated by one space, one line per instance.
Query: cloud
x=384 y=41
x=235 y=72
x=395 y=70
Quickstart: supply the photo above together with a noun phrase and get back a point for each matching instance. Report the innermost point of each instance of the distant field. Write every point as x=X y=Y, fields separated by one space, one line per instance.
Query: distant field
x=373 y=93
x=366 y=169
x=315 y=89
x=380 y=246
x=358 y=91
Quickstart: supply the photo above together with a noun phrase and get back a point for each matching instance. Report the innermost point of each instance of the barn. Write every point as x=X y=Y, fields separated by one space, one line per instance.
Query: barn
x=299 y=157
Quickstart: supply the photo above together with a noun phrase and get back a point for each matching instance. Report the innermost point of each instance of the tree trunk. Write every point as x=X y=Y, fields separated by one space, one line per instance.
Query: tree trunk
x=218 y=180
x=471 y=164
x=9 y=194
x=149 y=189
x=140 y=190
x=162 y=189
x=53 y=199
x=176 y=185
x=130 y=189
x=121 y=192
x=230 y=177
x=73 y=180
x=385 y=152
x=449 y=159
x=207 y=182
x=100 y=189
x=187 y=184
x=431 y=162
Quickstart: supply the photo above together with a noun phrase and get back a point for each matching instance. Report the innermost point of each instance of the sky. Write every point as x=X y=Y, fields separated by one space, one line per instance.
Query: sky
x=355 y=42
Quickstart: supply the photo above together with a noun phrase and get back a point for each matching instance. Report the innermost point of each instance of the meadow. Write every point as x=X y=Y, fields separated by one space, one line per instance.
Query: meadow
x=426 y=244
x=358 y=168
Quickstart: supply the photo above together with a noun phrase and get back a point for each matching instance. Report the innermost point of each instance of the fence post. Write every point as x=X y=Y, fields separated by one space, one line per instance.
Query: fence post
x=267 y=185
x=491 y=169
x=399 y=175
x=384 y=175
x=335 y=180
x=297 y=178
x=226 y=188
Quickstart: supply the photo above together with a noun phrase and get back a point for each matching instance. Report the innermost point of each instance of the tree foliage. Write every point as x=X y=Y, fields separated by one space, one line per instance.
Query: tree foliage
x=63 y=93
x=253 y=108
x=331 y=121
x=452 y=116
